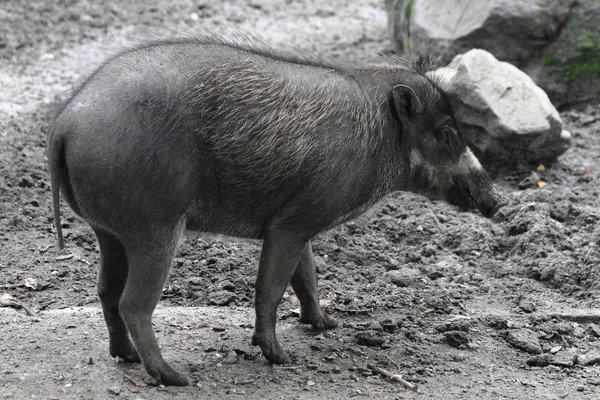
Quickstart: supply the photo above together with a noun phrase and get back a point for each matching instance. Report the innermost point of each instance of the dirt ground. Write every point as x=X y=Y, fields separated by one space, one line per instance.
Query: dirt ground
x=457 y=304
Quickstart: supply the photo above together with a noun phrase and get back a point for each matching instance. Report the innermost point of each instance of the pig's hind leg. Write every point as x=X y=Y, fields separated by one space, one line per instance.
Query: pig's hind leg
x=150 y=254
x=304 y=283
x=278 y=260
x=111 y=282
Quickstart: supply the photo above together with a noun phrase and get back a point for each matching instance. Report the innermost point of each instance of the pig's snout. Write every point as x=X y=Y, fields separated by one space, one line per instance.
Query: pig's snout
x=476 y=191
x=489 y=209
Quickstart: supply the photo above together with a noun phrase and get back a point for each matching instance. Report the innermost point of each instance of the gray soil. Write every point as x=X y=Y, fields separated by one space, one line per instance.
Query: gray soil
x=455 y=303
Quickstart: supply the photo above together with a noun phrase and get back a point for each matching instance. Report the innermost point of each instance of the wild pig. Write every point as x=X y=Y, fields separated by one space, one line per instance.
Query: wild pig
x=235 y=137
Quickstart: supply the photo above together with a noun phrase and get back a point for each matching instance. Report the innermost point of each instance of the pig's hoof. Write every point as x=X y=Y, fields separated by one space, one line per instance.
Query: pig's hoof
x=270 y=348
x=168 y=376
x=125 y=351
x=320 y=323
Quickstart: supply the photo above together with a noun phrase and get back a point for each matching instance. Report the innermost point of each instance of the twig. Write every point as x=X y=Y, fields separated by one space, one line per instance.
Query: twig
x=582 y=318
x=398 y=378
x=354 y=311
x=6 y=300
x=393 y=362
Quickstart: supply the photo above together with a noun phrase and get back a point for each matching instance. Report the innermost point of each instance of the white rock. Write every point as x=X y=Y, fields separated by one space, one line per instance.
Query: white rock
x=502 y=112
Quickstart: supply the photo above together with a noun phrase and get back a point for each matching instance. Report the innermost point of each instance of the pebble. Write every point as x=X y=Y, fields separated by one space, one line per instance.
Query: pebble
x=590 y=358
x=115 y=390
x=524 y=339
x=221 y=298
x=228 y=285
x=593 y=329
x=195 y=280
x=563 y=360
x=529 y=182
x=388 y=325
x=555 y=349
x=25 y=182
x=541 y=360
x=560 y=211
x=527 y=306
x=456 y=338
x=369 y=338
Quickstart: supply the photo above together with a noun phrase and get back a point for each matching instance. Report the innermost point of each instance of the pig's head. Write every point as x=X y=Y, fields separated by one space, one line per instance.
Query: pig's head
x=435 y=159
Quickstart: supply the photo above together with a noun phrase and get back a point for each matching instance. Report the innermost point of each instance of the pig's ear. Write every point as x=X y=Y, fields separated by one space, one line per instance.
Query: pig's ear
x=406 y=101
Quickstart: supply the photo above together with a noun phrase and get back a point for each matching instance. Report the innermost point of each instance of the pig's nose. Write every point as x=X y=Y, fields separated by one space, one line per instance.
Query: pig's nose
x=500 y=202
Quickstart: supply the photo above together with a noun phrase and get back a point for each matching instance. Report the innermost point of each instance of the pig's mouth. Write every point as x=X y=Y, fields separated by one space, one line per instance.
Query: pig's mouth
x=461 y=196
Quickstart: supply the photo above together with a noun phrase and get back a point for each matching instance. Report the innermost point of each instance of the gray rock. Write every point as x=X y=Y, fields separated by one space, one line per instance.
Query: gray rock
x=369 y=338
x=563 y=359
x=560 y=211
x=404 y=277
x=503 y=114
x=590 y=358
x=449 y=28
x=540 y=360
x=524 y=339
x=554 y=41
x=526 y=306
x=529 y=182
x=221 y=298
x=593 y=330
x=456 y=338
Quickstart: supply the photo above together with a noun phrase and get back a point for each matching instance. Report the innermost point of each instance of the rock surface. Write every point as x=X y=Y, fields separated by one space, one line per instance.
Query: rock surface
x=524 y=339
x=556 y=42
x=503 y=114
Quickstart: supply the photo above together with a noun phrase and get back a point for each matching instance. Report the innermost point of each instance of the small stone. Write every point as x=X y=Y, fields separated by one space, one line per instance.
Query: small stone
x=593 y=330
x=524 y=339
x=590 y=358
x=228 y=285
x=456 y=338
x=529 y=182
x=25 y=182
x=388 y=326
x=541 y=360
x=221 y=298
x=195 y=280
x=563 y=360
x=461 y=324
x=369 y=338
x=527 y=306
x=403 y=278
x=231 y=358
x=115 y=390
x=560 y=211
x=375 y=326
x=428 y=251
x=555 y=349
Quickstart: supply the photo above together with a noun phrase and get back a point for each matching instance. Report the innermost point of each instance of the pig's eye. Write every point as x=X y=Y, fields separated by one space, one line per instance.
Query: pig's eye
x=445 y=133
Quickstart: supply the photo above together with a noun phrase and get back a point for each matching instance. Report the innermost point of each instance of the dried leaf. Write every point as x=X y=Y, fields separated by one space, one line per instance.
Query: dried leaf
x=6 y=300
x=541 y=167
x=541 y=184
x=138 y=382
x=325 y=303
x=32 y=284
x=586 y=170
